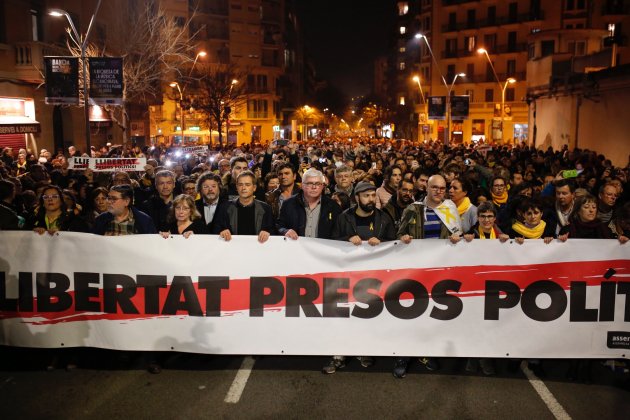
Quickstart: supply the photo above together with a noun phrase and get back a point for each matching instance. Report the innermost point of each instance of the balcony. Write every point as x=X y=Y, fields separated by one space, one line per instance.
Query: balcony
x=500 y=21
x=29 y=59
x=609 y=10
x=501 y=49
x=211 y=7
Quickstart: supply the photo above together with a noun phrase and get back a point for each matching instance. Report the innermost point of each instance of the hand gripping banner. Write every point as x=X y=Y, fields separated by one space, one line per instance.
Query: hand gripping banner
x=316 y=297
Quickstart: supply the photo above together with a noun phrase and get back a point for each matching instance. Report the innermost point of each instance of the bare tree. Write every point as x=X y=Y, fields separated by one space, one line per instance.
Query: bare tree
x=154 y=48
x=221 y=90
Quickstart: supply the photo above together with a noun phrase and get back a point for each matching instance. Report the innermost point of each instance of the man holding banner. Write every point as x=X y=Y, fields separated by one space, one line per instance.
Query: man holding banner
x=433 y=218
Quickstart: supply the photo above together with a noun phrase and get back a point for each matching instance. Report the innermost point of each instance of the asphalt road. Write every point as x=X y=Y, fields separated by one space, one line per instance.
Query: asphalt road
x=114 y=385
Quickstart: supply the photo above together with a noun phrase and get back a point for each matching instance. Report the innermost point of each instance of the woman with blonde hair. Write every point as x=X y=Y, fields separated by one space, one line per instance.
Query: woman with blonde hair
x=184 y=219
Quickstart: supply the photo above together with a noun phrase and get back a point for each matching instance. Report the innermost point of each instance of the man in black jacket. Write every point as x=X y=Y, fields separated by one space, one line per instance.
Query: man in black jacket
x=365 y=222
x=245 y=215
x=309 y=213
x=209 y=188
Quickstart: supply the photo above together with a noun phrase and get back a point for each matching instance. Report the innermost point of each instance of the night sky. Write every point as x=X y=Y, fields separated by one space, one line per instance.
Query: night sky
x=344 y=37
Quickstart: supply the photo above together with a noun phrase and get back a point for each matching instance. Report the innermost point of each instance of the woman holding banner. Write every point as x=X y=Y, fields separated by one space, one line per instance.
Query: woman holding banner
x=184 y=218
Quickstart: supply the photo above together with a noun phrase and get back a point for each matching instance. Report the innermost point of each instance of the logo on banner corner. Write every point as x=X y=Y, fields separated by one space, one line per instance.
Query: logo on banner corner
x=618 y=340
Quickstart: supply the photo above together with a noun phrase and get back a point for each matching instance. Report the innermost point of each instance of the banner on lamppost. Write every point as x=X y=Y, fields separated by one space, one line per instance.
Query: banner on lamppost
x=460 y=106
x=437 y=107
x=62 y=80
x=106 y=80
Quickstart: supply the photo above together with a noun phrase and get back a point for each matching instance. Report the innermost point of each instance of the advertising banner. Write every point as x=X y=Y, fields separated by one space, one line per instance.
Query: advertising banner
x=437 y=107
x=62 y=80
x=460 y=107
x=107 y=164
x=106 y=80
x=316 y=297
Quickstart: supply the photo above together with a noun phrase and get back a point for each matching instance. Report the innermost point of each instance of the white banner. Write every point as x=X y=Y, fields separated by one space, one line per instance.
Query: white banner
x=192 y=150
x=316 y=297
x=107 y=164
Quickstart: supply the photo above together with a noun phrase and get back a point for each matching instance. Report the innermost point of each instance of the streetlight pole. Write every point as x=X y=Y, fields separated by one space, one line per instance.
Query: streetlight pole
x=181 y=108
x=424 y=102
x=181 y=91
x=59 y=13
x=426 y=41
x=503 y=87
x=448 y=103
x=227 y=117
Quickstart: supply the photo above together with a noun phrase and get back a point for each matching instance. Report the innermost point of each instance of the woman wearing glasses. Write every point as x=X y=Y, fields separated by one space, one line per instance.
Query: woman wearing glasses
x=51 y=215
x=184 y=218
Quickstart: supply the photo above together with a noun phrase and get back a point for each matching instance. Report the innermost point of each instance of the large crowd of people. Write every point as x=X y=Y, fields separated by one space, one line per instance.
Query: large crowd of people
x=357 y=190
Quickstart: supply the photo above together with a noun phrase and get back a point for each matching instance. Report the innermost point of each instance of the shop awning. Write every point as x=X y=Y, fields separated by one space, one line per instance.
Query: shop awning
x=18 y=125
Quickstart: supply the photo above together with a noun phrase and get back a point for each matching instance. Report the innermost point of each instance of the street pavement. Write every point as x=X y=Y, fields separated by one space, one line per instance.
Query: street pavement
x=116 y=385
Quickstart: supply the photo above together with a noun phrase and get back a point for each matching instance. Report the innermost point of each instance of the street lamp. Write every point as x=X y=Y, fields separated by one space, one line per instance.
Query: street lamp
x=59 y=13
x=307 y=112
x=228 y=110
x=502 y=86
x=448 y=104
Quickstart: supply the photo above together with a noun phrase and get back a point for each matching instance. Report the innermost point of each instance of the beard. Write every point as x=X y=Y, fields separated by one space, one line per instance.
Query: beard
x=406 y=199
x=368 y=208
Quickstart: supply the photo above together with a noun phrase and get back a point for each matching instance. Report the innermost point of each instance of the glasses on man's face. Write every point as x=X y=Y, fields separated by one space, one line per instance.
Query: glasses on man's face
x=313 y=184
x=111 y=198
x=50 y=197
x=436 y=188
x=486 y=216
x=406 y=191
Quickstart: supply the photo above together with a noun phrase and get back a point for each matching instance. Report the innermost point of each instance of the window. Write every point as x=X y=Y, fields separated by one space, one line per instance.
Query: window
x=489 y=95
x=257 y=108
x=401 y=65
x=531 y=51
x=470 y=94
x=452 y=21
x=471 y=18
x=577 y=47
x=470 y=71
x=451 y=47
x=513 y=12
x=547 y=48
x=490 y=42
x=403 y=30
x=450 y=72
x=511 y=68
x=492 y=15
x=509 y=94
x=401 y=100
x=489 y=72
x=470 y=41
x=35 y=23
x=403 y=8
x=512 y=41
x=402 y=49
x=573 y=5
x=180 y=21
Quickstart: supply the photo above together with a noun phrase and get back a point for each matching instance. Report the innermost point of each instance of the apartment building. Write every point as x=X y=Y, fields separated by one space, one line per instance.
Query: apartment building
x=484 y=49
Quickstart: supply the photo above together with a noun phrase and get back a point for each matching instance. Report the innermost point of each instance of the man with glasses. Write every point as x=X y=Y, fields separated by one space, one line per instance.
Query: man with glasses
x=121 y=218
x=399 y=202
x=309 y=213
x=432 y=218
x=607 y=199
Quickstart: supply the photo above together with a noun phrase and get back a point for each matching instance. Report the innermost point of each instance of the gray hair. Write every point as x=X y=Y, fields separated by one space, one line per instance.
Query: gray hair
x=313 y=173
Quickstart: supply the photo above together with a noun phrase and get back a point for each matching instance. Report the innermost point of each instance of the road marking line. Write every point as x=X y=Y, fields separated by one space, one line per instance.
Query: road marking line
x=552 y=404
x=238 y=385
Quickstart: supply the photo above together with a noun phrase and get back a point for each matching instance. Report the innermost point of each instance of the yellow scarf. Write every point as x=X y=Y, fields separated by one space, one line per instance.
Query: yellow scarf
x=482 y=235
x=530 y=233
x=500 y=199
x=463 y=206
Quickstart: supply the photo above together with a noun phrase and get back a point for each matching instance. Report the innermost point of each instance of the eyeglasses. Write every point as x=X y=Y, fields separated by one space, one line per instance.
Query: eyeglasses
x=313 y=184
x=486 y=216
x=50 y=197
x=435 y=188
x=406 y=191
x=110 y=198
x=182 y=208
x=499 y=186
